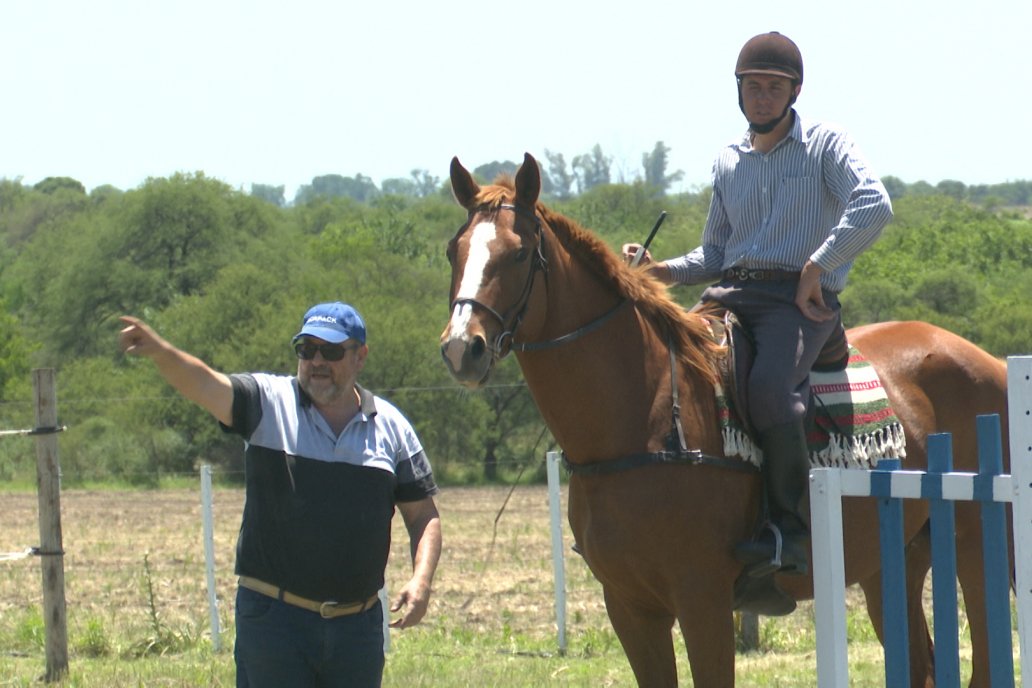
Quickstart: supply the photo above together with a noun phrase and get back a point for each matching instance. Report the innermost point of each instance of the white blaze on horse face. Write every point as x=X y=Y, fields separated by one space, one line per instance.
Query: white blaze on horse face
x=472 y=277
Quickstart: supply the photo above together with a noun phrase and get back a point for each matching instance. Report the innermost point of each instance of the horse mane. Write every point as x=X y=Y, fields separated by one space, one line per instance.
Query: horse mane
x=689 y=333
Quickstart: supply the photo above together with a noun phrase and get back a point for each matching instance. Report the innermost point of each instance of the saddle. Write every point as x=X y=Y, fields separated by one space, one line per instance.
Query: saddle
x=849 y=423
x=741 y=353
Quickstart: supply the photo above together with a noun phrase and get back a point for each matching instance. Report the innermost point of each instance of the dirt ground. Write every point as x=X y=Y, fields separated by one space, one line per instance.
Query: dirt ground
x=491 y=577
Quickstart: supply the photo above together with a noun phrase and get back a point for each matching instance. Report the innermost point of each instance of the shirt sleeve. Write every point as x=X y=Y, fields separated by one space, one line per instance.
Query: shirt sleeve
x=867 y=206
x=247 y=406
x=415 y=478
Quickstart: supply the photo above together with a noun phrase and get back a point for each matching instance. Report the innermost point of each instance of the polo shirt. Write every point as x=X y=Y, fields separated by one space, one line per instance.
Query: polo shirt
x=318 y=507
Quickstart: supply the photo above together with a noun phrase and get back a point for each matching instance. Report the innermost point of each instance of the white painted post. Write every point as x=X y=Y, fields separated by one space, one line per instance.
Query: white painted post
x=209 y=556
x=829 y=579
x=1019 y=418
x=386 y=619
x=555 y=510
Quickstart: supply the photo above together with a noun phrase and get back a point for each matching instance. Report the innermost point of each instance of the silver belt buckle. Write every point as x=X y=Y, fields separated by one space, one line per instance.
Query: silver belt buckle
x=323 y=608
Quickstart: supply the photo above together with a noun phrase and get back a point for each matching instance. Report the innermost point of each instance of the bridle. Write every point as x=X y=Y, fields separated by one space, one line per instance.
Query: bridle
x=512 y=317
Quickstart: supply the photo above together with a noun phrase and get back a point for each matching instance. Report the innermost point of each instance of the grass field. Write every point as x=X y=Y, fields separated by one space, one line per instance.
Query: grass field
x=138 y=616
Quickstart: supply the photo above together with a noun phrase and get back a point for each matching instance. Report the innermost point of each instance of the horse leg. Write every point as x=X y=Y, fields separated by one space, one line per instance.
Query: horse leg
x=971 y=573
x=711 y=646
x=918 y=558
x=646 y=640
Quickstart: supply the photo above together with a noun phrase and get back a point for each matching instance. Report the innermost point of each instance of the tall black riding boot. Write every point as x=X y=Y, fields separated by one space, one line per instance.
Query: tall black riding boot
x=783 y=544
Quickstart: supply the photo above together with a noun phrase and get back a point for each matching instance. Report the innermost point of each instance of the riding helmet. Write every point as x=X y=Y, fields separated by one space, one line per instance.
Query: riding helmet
x=770 y=53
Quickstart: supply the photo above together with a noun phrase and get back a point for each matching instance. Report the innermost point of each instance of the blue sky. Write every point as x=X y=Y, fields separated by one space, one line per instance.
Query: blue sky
x=114 y=91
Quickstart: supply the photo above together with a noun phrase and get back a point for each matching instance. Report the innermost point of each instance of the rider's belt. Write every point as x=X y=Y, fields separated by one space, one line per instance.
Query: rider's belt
x=327 y=610
x=759 y=275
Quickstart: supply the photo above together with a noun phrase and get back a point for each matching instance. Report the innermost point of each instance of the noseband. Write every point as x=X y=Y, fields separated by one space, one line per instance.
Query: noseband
x=538 y=263
x=505 y=341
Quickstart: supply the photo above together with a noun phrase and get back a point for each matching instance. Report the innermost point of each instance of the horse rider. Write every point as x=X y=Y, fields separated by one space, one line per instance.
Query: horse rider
x=794 y=204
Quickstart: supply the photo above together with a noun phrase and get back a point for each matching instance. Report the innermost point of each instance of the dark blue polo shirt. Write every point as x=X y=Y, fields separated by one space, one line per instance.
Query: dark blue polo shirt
x=318 y=509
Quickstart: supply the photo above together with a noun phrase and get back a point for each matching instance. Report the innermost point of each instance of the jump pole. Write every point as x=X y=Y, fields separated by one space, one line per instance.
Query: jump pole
x=1019 y=415
x=990 y=487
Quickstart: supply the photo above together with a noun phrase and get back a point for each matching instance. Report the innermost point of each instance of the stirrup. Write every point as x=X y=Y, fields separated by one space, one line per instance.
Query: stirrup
x=766 y=567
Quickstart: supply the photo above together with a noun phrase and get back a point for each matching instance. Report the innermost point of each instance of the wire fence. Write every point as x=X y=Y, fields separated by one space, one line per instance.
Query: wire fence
x=496 y=575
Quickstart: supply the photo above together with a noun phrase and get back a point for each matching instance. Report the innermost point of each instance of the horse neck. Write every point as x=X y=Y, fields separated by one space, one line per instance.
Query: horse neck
x=608 y=393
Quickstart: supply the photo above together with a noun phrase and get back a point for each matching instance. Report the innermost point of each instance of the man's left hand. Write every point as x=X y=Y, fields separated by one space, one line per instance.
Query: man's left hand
x=412 y=602
x=809 y=297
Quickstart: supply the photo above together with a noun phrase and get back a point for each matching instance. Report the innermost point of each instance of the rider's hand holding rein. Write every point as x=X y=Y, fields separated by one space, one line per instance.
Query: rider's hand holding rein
x=659 y=270
x=629 y=251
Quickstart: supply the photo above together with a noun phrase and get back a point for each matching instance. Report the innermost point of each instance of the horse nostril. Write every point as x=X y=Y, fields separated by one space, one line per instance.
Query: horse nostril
x=478 y=348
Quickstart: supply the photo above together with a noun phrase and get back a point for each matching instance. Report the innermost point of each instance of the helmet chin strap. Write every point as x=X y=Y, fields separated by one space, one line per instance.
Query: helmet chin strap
x=768 y=126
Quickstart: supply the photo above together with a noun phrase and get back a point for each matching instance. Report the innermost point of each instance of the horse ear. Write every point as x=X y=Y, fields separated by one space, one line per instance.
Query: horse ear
x=463 y=187
x=528 y=182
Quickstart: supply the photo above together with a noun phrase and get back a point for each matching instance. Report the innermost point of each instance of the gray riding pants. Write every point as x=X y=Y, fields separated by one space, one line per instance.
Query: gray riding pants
x=787 y=344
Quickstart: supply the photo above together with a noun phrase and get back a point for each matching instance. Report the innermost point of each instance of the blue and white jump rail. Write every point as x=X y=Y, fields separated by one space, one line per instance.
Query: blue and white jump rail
x=941 y=487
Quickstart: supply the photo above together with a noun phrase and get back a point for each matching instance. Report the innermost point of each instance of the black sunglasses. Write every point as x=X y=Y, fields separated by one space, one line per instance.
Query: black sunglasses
x=331 y=352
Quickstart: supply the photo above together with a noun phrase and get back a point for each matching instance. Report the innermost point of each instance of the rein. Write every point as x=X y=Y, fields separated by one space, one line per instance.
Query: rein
x=539 y=263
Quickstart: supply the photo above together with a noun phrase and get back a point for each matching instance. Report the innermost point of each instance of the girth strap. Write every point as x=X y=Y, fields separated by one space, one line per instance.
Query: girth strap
x=680 y=454
x=688 y=457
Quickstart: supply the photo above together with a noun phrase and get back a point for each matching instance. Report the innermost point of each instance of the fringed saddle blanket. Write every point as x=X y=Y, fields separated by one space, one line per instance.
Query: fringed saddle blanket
x=854 y=426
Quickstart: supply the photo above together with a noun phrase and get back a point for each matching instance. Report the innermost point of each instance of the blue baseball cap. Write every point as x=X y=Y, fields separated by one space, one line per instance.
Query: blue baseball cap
x=332 y=322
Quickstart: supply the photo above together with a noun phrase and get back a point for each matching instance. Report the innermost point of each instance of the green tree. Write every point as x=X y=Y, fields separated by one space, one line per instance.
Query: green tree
x=489 y=172
x=398 y=186
x=14 y=353
x=270 y=194
x=359 y=188
x=592 y=169
x=896 y=187
x=561 y=177
x=655 y=165
x=426 y=183
x=947 y=291
x=52 y=185
x=952 y=188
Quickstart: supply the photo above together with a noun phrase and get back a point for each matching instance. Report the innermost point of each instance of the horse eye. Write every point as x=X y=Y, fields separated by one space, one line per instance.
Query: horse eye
x=521 y=255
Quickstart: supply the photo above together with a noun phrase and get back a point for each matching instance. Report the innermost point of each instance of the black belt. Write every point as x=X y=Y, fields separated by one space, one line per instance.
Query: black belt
x=760 y=275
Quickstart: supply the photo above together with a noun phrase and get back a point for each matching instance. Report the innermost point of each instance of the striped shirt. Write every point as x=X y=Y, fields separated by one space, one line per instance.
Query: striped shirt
x=812 y=197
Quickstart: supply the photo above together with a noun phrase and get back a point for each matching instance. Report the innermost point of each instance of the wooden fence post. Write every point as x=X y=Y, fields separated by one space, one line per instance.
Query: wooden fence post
x=749 y=639
x=51 y=550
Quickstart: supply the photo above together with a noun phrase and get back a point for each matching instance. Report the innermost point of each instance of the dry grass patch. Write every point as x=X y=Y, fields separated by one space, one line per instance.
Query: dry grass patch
x=135 y=588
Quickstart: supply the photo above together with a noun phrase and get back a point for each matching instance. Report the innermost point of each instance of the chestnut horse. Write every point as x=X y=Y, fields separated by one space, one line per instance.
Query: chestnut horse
x=594 y=338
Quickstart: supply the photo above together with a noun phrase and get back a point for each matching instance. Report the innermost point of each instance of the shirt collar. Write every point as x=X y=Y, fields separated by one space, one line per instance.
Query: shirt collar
x=795 y=132
x=367 y=402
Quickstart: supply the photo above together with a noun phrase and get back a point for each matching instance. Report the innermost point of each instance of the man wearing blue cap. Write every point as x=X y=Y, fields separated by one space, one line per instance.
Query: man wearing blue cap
x=326 y=463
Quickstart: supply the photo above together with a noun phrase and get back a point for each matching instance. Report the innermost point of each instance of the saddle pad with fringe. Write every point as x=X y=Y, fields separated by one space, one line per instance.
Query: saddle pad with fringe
x=853 y=427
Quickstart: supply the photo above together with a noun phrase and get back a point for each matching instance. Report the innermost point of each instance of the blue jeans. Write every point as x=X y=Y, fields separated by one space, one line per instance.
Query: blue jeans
x=280 y=645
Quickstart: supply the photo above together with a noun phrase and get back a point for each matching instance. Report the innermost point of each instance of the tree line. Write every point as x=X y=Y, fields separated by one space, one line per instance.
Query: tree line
x=559 y=179
x=227 y=275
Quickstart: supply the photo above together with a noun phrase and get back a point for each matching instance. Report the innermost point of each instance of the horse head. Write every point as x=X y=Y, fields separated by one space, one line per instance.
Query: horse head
x=495 y=259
